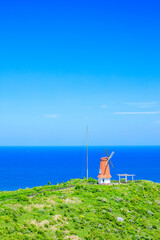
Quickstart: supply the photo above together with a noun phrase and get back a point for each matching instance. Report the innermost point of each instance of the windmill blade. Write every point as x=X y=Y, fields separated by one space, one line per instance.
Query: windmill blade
x=111 y=162
x=111 y=155
x=107 y=162
x=107 y=152
x=106 y=165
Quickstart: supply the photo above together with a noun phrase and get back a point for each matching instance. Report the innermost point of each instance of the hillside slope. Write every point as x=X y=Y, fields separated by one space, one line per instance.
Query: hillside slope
x=79 y=209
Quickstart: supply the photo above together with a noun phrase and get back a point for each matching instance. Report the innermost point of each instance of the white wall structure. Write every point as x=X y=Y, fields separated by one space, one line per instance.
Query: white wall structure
x=104 y=180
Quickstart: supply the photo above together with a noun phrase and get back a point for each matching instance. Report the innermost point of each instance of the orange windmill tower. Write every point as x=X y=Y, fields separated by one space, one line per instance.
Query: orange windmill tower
x=104 y=176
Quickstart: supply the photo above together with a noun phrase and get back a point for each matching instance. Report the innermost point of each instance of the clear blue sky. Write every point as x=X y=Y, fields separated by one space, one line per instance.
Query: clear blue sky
x=68 y=64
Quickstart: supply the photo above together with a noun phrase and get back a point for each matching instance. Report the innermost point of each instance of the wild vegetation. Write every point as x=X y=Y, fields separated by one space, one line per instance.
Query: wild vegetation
x=81 y=209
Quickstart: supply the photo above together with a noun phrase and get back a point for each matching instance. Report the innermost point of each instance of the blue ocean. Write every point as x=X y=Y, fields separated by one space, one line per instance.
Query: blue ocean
x=26 y=167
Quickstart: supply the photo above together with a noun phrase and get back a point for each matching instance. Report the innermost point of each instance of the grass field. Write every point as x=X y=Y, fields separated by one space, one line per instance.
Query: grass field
x=81 y=209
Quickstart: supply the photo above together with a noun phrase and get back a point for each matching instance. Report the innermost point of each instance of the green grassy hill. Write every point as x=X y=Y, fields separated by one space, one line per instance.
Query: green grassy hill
x=79 y=209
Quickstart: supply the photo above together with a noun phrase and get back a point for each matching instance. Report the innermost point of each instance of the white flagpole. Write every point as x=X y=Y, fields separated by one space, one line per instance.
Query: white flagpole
x=87 y=152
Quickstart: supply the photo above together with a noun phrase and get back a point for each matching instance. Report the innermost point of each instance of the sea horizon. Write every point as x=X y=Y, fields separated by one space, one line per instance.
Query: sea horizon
x=80 y=146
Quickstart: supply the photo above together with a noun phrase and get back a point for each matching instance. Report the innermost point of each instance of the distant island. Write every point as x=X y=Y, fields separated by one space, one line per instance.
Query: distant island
x=82 y=209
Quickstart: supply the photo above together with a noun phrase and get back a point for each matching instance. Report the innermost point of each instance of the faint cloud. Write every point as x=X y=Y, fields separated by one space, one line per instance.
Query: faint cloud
x=158 y=121
x=135 y=113
x=52 y=116
x=104 y=106
x=143 y=104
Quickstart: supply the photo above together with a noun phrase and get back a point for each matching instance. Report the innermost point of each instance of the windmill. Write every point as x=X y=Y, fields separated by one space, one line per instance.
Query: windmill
x=104 y=176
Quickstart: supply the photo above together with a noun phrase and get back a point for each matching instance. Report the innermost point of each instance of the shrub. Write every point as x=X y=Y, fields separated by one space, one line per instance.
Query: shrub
x=59 y=234
x=23 y=198
x=92 y=180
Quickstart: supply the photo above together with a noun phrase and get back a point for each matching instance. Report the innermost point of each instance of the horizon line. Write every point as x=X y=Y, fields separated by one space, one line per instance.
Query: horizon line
x=80 y=145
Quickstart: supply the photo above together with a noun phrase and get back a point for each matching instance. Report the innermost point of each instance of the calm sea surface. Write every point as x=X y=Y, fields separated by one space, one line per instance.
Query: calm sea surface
x=22 y=167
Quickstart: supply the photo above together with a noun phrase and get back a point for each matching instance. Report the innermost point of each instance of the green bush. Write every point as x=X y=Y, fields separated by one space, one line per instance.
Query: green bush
x=23 y=198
